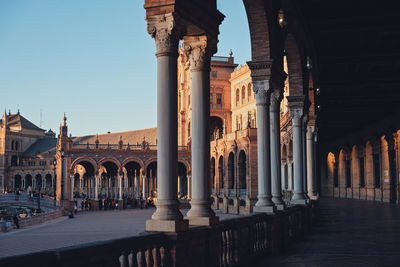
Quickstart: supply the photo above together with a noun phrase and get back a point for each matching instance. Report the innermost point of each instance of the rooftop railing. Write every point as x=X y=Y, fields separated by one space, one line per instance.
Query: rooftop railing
x=147 y=147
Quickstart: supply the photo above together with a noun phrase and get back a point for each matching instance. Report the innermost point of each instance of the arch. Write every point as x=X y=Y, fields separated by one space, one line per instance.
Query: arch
x=216 y=127
x=294 y=65
x=186 y=163
x=284 y=153
x=28 y=180
x=39 y=181
x=84 y=159
x=212 y=174
x=221 y=171
x=242 y=170
x=231 y=171
x=133 y=159
x=17 y=181
x=113 y=160
x=49 y=181
x=148 y=162
x=151 y=173
x=183 y=181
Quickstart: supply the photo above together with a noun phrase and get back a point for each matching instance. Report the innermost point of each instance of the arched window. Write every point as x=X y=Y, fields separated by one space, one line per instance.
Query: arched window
x=221 y=171
x=12 y=145
x=242 y=173
x=237 y=97
x=243 y=94
x=248 y=91
x=16 y=145
x=188 y=130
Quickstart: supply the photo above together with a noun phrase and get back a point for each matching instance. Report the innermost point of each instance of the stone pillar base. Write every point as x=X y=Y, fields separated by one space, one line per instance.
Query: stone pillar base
x=167 y=226
x=299 y=202
x=280 y=207
x=120 y=204
x=68 y=205
x=203 y=221
x=265 y=209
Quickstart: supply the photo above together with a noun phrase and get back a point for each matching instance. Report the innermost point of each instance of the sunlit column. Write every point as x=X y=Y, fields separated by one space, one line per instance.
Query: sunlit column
x=166 y=33
x=311 y=188
x=275 y=130
x=264 y=202
x=199 y=50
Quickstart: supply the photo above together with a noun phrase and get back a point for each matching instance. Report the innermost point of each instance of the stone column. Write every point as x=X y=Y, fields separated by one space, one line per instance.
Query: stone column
x=290 y=176
x=167 y=217
x=311 y=188
x=199 y=50
x=189 y=185
x=179 y=186
x=71 y=197
x=283 y=176
x=120 y=187
x=304 y=157
x=264 y=202
x=144 y=186
x=96 y=187
x=275 y=130
x=296 y=112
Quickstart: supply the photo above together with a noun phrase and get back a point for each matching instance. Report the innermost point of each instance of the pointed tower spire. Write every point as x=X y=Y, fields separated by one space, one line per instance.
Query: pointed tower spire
x=64 y=120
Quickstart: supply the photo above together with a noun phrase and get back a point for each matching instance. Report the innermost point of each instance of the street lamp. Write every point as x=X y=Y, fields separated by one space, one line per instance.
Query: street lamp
x=62 y=152
x=40 y=186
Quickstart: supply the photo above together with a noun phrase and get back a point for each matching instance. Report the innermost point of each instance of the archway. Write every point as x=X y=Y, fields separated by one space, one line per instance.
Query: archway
x=212 y=175
x=231 y=173
x=17 y=181
x=132 y=181
x=28 y=181
x=39 y=182
x=109 y=180
x=221 y=171
x=182 y=181
x=49 y=184
x=151 y=172
x=216 y=128
x=242 y=173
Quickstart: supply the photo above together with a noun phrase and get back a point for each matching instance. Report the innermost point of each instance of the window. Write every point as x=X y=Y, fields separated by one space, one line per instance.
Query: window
x=211 y=99
x=237 y=97
x=214 y=74
x=16 y=145
x=377 y=170
x=219 y=99
x=362 y=176
x=248 y=92
x=243 y=94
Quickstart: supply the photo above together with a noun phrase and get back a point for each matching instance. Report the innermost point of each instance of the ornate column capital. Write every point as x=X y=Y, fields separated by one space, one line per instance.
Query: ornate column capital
x=166 y=31
x=276 y=98
x=296 y=109
x=199 y=50
x=261 y=89
x=297 y=115
x=310 y=132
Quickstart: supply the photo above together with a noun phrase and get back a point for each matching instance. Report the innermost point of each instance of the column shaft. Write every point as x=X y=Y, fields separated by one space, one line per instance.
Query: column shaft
x=311 y=188
x=275 y=129
x=264 y=202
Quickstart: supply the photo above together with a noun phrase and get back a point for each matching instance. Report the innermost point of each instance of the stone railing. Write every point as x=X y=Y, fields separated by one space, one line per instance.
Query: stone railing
x=39 y=218
x=24 y=199
x=234 y=242
x=140 y=147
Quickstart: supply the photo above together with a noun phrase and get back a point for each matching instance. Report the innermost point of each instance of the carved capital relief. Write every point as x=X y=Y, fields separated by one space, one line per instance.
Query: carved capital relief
x=166 y=32
x=261 y=89
x=297 y=114
x=310 y=132
x=276 y=98
x=199 y=50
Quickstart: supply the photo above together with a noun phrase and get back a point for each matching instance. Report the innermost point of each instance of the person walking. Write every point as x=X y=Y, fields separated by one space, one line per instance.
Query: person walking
x=16 y=221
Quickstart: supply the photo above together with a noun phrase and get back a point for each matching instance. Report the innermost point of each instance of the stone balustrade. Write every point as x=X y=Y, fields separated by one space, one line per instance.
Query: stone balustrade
x=233 y=242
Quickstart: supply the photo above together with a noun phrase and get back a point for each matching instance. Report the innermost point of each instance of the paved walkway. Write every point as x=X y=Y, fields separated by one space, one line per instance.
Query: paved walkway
x=349 y=233
x=84 y=228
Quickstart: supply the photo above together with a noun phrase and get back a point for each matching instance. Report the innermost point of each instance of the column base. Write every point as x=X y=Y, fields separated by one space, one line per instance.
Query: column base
x=167 y=226
x=203 y=221
x=265 y=209
x=314 y=197
x=120 y=204
x=95 y=204
x=280 y=206
x=299 y=202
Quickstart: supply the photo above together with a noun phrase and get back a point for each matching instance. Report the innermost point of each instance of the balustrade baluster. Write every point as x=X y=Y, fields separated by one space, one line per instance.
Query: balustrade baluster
x=123 y=261
x=157 y=257
x=149 y=257
x=132 y=259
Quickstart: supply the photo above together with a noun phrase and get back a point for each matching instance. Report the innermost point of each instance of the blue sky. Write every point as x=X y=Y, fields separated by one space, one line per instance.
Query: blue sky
x=91 y=59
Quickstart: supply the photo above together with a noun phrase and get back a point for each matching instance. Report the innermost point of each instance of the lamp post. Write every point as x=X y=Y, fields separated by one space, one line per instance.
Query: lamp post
x=40 y=186
x=62 y=152
x=54 y=181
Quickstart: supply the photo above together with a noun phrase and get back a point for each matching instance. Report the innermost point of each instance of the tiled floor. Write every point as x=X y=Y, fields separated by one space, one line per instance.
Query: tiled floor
x=349 y=233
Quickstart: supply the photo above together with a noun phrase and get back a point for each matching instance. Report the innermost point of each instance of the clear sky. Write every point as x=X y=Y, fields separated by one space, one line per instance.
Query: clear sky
x=91 y=59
